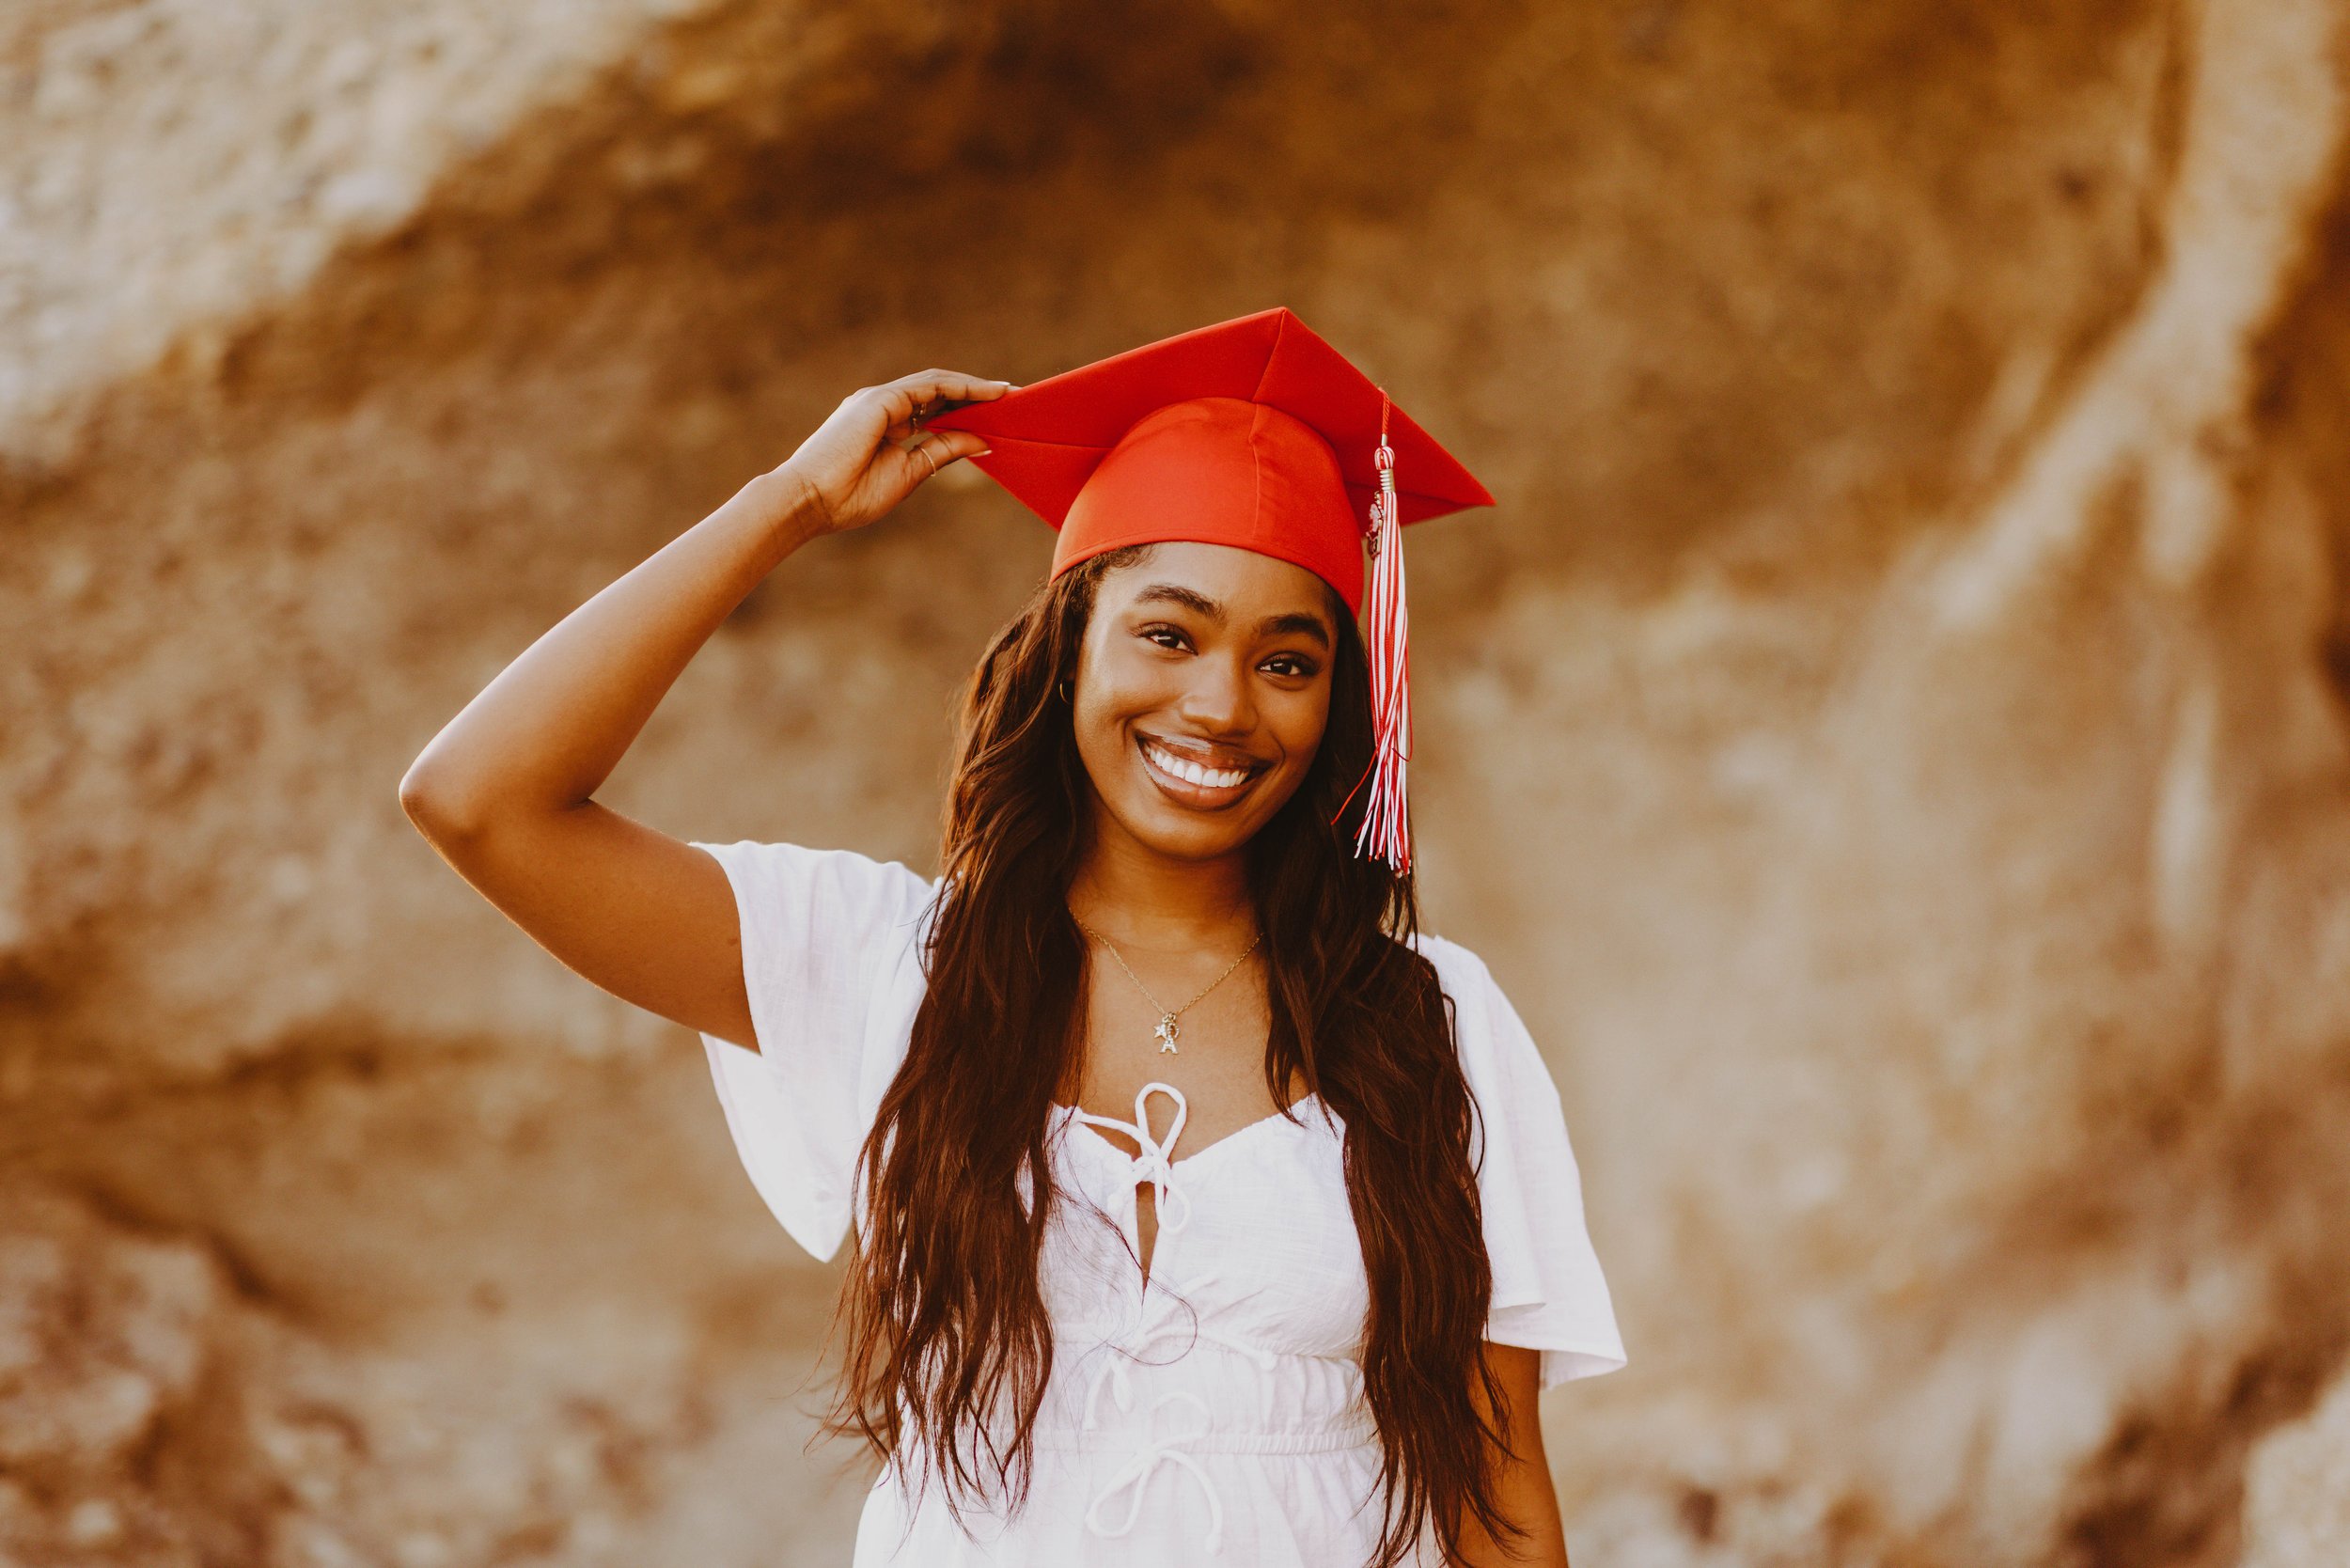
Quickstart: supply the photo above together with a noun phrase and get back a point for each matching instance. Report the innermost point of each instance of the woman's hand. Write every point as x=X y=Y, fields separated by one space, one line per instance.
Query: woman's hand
x=873 y=450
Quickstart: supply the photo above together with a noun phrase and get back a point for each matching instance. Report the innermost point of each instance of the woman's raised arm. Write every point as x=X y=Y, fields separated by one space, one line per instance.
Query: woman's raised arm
x=506 y=791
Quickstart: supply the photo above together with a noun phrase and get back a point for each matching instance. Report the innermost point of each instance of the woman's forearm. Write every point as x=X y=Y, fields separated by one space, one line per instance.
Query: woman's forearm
x=1522 y=1476
x=543 y=736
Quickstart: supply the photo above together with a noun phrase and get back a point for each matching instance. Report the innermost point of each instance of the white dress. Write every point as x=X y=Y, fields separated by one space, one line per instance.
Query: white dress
x=1217 y=1412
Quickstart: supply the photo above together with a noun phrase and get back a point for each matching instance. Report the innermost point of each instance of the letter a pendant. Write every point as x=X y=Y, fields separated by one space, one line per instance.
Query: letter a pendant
x=1168 y=1030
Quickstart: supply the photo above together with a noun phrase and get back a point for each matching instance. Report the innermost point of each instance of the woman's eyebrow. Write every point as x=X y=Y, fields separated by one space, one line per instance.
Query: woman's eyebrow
x=1191 y=599
x=1299 y=622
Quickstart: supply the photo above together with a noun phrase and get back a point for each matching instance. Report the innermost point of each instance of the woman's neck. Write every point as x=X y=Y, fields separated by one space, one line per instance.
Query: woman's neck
x=1146 y=900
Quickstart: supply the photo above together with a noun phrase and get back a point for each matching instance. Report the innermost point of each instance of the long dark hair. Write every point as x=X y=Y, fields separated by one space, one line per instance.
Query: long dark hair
x=947 y=1328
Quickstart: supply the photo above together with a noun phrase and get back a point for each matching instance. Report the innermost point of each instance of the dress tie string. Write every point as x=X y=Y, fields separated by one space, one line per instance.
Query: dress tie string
x=1135 y=1477
x=1153 y=1164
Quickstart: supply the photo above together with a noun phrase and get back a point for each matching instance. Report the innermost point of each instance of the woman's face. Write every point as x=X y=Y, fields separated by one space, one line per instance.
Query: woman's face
x=1202 y=688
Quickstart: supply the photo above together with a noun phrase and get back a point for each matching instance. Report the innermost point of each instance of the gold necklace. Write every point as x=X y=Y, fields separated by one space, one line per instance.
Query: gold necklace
x=1168 y=1028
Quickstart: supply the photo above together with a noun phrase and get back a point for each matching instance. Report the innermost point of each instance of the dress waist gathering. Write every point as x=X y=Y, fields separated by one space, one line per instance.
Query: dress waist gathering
x=1171 y=1439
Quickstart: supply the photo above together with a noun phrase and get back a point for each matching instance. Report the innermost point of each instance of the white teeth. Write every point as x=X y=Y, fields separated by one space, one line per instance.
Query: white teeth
x=1192 y=773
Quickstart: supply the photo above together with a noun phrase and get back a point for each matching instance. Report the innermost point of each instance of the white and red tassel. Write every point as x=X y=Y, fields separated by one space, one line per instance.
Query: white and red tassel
x=1386 y=830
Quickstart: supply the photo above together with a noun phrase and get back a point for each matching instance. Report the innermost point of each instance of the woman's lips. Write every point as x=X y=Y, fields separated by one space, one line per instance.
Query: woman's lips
x=1192 y=781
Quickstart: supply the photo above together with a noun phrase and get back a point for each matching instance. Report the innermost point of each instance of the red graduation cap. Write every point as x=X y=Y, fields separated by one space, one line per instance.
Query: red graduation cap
x=1252 y=432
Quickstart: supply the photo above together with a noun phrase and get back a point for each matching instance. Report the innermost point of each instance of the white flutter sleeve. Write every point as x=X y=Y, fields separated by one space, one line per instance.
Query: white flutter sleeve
x=831 y=960
x=1549 y=1293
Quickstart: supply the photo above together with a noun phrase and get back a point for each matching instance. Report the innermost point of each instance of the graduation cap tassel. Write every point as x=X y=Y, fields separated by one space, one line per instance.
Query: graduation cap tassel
x=1387 y=831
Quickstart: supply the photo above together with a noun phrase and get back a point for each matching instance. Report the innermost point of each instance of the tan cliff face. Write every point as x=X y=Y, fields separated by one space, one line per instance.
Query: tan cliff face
x=1890 y=739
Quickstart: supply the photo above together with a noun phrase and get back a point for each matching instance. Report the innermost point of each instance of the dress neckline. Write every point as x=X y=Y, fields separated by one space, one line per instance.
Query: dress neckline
x=1069 y=1113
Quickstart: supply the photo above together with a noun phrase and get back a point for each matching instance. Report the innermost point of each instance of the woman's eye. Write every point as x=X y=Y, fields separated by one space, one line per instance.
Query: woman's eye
x=1290 y=666
x=1165 y=636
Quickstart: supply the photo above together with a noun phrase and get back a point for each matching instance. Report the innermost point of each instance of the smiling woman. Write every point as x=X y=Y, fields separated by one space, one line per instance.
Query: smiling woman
x=1317 y=1335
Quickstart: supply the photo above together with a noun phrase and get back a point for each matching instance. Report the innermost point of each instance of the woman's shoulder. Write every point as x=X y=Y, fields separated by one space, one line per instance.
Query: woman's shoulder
x=1461 y=972
x=1486 y=1024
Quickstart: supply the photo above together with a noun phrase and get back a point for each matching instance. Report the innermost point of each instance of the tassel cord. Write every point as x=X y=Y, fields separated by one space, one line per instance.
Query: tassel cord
x=1386 y=831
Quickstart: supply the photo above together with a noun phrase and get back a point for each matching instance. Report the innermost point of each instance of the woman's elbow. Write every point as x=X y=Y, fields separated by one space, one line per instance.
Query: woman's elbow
x=441 y=806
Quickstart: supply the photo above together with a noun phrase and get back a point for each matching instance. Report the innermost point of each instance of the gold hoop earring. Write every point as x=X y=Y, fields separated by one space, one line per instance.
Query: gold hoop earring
x=1065 y=694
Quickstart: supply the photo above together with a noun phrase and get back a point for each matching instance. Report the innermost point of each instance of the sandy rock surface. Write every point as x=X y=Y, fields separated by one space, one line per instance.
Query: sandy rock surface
x=1890 y=739
x=2297 y=1506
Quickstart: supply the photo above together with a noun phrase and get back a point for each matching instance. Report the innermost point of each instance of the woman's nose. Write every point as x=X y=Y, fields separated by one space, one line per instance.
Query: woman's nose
x=1218 y=699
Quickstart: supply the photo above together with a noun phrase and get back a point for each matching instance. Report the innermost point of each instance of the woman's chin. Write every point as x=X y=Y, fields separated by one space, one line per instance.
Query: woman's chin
x=1175 y=833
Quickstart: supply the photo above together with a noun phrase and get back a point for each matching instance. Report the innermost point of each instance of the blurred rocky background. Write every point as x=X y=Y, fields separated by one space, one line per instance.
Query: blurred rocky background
x=1890 y=738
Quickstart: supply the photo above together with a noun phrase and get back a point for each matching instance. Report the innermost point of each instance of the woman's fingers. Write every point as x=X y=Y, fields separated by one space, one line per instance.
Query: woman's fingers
x=930 y=385
x=911 y=397
x=932 y=451
x=949 y=446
